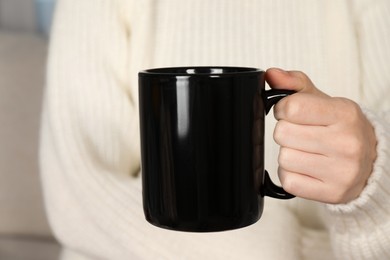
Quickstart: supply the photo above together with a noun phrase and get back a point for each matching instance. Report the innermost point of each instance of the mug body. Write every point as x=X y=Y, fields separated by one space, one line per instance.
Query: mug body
x=202 y=147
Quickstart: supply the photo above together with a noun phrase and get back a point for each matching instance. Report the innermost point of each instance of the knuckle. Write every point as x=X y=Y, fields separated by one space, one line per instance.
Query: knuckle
x=283 y=158
x=348 y=144
x=289 y=184
x=353 y=147
x=350 y=110
x=292 y=108
x=279 y=131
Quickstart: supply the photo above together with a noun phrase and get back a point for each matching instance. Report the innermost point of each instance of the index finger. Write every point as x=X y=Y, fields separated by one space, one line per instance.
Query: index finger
x=306 y=109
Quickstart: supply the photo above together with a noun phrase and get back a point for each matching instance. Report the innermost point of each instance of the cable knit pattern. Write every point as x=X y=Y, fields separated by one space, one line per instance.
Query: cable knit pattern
x=90 y=140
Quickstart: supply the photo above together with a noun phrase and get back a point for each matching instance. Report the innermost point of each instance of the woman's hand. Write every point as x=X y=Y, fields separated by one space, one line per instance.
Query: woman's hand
x=327 y=145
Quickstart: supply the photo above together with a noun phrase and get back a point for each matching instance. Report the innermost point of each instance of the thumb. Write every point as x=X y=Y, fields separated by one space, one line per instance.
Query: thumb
x=291 y=80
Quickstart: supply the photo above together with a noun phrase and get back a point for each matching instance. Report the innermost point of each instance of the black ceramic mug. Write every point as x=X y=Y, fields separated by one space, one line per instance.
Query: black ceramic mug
x=202 y=147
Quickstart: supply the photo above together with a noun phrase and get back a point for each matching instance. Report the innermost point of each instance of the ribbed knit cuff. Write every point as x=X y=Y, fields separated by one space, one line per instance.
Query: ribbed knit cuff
x=371 y=209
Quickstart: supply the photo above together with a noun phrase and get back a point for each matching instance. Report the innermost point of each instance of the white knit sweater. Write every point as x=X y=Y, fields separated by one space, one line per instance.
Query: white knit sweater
x=90 y=143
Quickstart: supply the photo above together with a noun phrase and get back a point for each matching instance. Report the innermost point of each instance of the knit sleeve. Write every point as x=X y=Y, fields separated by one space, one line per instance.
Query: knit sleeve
x=89 y=133
x=361 y=228
x=90 y=107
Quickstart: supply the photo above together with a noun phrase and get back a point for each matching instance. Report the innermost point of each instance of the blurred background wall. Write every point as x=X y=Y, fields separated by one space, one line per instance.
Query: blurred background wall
x=24 y=36
x=18 y=15
x=26 y=15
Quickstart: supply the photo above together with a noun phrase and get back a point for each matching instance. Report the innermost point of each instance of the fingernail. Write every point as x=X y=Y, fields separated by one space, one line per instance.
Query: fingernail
x=280 y=70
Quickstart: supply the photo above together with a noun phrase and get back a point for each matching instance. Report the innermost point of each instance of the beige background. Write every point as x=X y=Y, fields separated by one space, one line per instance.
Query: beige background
x=24 y=229
x=17 y=15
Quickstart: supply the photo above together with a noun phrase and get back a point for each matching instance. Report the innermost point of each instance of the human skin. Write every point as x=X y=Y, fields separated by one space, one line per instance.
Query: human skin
x=327 y=145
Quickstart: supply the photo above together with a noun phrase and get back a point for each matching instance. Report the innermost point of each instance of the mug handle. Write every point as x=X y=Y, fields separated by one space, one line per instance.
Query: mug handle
x=272 y=97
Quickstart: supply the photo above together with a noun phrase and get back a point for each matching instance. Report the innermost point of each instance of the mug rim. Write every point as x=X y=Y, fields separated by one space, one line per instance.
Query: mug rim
x=202 y=71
